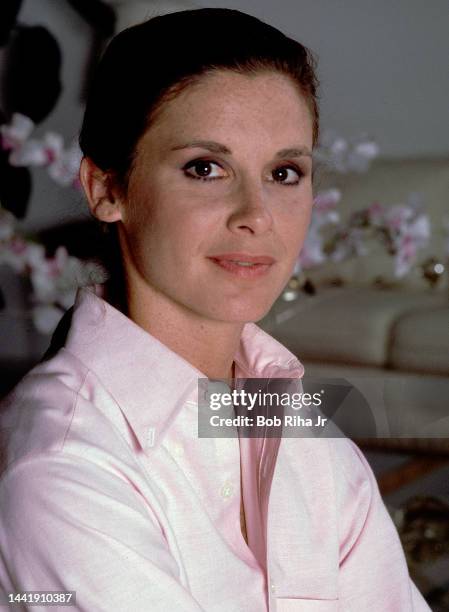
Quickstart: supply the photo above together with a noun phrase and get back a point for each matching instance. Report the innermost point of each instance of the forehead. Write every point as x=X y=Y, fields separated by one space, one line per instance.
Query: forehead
x=226 y=106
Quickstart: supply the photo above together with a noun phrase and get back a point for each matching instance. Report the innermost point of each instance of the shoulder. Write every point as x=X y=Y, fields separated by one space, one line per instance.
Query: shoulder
x=349 y=463
x=364 y=521
x=61 y=506
x=338 y=470
x=38 y=415
x=338 y=455
x=336 y=478
x=35 y=415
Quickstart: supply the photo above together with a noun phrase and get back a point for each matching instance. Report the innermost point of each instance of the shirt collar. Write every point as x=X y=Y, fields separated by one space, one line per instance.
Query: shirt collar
x=150 y=382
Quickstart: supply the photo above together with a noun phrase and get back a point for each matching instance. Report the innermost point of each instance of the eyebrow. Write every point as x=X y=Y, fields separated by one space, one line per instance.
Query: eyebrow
x=216 y=147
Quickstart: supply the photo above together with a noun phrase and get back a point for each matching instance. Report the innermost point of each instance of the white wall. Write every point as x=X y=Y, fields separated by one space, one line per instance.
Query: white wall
x=383 y=68
x=383 y=65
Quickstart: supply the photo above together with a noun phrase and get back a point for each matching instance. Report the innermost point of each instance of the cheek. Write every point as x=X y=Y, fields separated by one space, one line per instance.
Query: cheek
x=294 y=229
x=150 y=214
x=171 y=228
x=191 y=220
x=142 y=227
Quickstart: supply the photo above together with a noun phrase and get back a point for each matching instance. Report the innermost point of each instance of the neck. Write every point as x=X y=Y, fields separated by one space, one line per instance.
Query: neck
x=207 y=344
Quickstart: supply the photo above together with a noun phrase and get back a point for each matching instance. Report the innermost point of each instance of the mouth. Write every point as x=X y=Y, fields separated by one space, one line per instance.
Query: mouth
x=243 y=265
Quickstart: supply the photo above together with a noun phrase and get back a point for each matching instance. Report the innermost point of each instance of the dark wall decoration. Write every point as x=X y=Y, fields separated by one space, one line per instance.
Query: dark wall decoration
x=31 y=86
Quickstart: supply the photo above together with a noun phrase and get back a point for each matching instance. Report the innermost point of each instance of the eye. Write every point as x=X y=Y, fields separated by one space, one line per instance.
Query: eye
x=287 y=175
x=204 y=170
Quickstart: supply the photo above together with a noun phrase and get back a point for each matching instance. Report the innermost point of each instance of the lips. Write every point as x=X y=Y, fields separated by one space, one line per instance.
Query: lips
x=243 y=265
x=244 y=258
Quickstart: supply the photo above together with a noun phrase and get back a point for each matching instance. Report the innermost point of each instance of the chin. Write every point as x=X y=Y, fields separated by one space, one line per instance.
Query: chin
x=244 y=313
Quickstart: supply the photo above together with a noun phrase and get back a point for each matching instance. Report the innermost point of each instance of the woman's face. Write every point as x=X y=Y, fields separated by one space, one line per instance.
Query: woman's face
x=223 y=175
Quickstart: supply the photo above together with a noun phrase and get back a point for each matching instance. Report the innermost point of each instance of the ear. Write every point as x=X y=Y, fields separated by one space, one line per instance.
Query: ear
x=104 y=202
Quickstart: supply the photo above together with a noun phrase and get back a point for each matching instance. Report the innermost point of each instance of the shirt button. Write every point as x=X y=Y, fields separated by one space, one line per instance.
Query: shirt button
x=272 y=587
x=151 y=434
x=227 y=490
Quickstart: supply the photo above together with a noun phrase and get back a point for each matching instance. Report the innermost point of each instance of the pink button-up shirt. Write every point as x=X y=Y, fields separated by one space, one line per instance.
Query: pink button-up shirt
x=107 y=490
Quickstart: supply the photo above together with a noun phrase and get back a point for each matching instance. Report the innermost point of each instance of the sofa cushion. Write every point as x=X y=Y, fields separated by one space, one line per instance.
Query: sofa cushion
x=421 y=341
x=368 y=403
x=350 y=324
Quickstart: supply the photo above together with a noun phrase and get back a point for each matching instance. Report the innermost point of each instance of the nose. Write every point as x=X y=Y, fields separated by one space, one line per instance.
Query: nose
x=251 y=213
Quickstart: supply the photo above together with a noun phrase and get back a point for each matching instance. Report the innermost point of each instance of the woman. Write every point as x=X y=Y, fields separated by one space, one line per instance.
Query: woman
x=197 y=143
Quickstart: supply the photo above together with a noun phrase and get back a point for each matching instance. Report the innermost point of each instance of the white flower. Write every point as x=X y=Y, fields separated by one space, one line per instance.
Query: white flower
x=64 y=169
x=63 y=164
x=341 y=251
x=312 y=253
x=55 y=280
x=397 y=217
x=343 y=156
x=30 y=153
x=13 y=253
x=404 y=257
x=349 y=243
x=43 y=283
x=413 y=237
x=325 y=200
x=17 y=132
x=420 y=230
x=46 y=317
x=35 y=255
x=338 y=147
x=51 y=278
x=7 y=223
x=376 y=214
x=367 y=149
x=11 y=259
x=361 y=156
x=54 y=143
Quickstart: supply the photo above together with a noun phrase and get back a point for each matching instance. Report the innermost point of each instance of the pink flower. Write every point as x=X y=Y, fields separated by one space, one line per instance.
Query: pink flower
x=30 y=153
x=325 y=201
x=311 y=255
x=414 y=236
x=344 y=156
x=398 y=216
x=363 y=152
x=17 y=132
x=376 y=213
x=63 y=164
x=65 y=167
x=13 y=252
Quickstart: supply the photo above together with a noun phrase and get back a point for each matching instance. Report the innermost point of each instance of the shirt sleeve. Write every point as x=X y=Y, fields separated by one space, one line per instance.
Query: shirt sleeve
x=67 y=524
x=373 y=570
